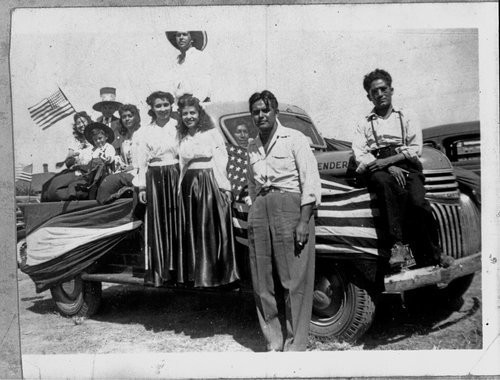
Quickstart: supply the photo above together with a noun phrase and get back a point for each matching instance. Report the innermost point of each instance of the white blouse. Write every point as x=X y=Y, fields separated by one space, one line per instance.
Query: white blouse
x=207 y=144
x=155 y=146
x=85 y=151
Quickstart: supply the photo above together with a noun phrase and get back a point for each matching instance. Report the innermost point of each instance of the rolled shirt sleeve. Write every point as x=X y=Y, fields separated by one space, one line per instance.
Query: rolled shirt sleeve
x=361 y=147
x=307 y=167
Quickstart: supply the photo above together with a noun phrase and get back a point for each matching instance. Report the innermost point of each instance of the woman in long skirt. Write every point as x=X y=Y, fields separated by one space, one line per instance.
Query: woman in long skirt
x=207 y=255
x=158 y=175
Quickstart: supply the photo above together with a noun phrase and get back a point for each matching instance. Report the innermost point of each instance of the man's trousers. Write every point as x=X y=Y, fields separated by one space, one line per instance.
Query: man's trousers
x=406 y=214
x=282 y=278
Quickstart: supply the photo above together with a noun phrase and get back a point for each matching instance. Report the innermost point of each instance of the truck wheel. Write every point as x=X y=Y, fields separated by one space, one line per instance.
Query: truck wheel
x=341 y=309
x=77 y=297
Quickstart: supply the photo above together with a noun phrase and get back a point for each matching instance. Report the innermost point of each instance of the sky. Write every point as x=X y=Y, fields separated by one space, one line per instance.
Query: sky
x=312 y=56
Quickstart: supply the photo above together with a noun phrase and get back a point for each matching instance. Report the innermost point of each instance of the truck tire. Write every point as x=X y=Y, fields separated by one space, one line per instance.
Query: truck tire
x=341 y=309
x=77 y=297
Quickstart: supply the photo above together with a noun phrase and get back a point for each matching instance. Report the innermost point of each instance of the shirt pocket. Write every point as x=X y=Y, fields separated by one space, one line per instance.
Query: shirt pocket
x=282 y=161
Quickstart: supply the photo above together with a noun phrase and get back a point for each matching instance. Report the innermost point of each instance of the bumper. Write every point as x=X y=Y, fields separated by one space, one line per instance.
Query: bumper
x=417 y=278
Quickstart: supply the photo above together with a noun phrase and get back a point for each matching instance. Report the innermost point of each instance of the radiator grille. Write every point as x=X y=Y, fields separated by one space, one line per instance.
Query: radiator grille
x=459 y=226
x=441 y=183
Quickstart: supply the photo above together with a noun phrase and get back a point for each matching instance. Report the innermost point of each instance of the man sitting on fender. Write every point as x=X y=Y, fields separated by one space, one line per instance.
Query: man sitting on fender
x=387 y=145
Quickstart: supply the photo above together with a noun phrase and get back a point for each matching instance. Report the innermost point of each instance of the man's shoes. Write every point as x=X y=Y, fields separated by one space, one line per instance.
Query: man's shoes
x=401 y=257
x=445 y=261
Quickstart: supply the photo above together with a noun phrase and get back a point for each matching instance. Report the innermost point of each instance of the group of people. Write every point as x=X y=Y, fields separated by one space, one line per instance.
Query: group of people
x=179 y=166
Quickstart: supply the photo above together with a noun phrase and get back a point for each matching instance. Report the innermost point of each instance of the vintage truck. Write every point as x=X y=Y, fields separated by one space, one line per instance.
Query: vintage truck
x=347 y=265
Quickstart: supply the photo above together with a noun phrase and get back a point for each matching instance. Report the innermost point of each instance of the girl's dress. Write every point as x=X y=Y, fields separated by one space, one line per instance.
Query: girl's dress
x=158 y=171
x=207 y=254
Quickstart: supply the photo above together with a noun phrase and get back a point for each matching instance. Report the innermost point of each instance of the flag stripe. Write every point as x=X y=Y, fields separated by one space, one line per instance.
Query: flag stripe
x=55 y=120
x=342 y=249
x=65 y=232
x=52 y=114
x=47 y=111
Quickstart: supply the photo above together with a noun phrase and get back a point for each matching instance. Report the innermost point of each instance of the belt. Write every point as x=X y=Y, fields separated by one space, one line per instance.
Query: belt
x=271 y=189
x=159 y=162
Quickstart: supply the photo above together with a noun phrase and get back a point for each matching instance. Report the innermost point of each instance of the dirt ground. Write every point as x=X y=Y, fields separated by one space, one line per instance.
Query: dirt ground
x=136 y=319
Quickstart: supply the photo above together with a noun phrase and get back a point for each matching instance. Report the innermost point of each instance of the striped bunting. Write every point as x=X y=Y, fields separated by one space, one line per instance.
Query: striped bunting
x=345 y=220
x=66 y=232
x=50 y=110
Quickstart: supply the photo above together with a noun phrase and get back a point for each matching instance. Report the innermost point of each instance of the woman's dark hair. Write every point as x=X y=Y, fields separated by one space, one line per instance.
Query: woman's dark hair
x=204 y=124
x=374 y=75
x=266 y=96
x=158 y=95
x=80 y=136
x=137 y=118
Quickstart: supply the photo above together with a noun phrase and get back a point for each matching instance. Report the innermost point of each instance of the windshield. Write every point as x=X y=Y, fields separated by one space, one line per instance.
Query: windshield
x=234 y=124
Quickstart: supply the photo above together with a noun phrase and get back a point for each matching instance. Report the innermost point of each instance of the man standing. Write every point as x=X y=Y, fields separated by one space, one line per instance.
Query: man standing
x=284 y=186
x=192 y=74
x=108 y=106
x=387 y=145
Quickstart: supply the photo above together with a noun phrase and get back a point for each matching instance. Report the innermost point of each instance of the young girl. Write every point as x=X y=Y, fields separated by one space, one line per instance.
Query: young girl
x=207 y=255
x=156 y=150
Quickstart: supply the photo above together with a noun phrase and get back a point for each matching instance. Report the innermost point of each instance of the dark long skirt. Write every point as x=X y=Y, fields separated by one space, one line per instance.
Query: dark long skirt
x=163 y=219
x=207 y=255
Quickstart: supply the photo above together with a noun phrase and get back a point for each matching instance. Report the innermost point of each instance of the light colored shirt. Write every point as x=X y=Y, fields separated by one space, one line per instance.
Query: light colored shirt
x=154 y=146
x=206 y=145
x=388 y=132
x=194 y=75
x=104 y=152
x=288 y=165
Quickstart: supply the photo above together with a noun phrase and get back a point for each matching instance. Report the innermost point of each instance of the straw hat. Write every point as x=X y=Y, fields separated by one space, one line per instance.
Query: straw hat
x=89 y=130
x=198 y=37
x=108 y=96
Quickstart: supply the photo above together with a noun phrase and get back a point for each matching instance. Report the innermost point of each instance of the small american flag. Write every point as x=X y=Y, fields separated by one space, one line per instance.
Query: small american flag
x=51 y=109
x=237 y=171
x=24 y=173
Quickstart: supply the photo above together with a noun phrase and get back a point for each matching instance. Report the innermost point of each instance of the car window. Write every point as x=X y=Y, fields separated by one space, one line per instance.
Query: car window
x=297 y=122
x=464 y=148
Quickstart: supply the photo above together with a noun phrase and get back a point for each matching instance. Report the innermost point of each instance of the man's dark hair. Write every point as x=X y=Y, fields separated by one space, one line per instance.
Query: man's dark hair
x=266 y=96
x=374 y=75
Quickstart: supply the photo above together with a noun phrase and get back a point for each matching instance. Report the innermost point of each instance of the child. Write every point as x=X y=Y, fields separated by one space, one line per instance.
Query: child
x=101 y=137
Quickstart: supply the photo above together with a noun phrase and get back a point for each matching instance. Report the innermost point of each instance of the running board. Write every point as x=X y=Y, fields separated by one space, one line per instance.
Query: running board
x=116 y=278
x=417 y=278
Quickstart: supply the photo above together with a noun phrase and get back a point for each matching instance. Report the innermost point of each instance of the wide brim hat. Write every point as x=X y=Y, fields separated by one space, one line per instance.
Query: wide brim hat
x=199 y=38
x=89 y=129
x=108 y=97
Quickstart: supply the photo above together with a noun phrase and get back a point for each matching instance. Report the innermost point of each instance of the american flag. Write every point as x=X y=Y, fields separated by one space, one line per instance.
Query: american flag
x=24 y=173
x=51 y=109
x=237 y=171
x=345 y=220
